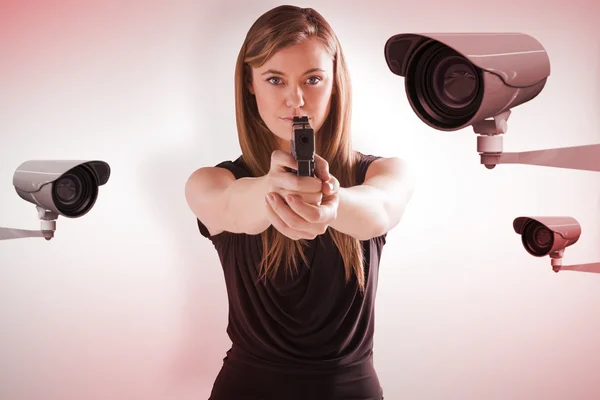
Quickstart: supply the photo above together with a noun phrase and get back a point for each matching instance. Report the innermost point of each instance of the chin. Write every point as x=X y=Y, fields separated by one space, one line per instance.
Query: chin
x=281 y=135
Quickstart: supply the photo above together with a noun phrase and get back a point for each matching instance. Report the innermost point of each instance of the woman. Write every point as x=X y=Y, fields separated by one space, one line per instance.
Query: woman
x=300 y=255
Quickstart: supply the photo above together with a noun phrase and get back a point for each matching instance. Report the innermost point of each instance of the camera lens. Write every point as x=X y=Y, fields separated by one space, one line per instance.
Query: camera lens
x=455 y=82
x=445 y=87
x=68 y=188
x=537 y=239
x=75 y=192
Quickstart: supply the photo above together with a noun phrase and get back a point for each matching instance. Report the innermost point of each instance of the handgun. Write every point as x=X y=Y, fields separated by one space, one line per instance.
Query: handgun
x=303 y=146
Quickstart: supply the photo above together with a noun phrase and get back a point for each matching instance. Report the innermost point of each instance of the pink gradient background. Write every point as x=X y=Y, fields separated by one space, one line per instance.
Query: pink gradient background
x=129 y=302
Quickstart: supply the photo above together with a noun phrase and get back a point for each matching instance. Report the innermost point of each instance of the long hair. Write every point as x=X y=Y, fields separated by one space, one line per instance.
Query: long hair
x=276 y=29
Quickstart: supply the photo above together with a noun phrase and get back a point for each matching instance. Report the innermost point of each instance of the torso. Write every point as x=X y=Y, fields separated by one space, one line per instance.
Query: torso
x=294 y=329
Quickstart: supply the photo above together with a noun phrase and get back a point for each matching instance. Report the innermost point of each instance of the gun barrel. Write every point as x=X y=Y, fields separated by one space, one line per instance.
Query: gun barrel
x=303 y=146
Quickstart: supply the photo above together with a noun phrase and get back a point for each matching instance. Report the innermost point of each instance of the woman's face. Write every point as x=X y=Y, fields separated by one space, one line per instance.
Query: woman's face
x=295 y=81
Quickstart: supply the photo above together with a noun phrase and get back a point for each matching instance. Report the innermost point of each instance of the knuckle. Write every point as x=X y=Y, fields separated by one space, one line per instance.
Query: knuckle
x=318 y=214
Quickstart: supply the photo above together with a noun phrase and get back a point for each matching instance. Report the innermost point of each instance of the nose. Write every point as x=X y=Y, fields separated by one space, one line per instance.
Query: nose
x=294 y=97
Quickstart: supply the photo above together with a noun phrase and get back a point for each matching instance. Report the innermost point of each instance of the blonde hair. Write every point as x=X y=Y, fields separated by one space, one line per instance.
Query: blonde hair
x=278 y=28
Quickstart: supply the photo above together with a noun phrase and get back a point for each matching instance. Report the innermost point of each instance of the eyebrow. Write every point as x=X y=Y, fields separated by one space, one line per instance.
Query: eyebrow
x=272 y=71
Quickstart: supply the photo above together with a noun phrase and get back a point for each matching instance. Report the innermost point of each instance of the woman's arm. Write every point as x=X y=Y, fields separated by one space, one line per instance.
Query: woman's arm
x=375 y=207
x=362 y=211
x=223 y=203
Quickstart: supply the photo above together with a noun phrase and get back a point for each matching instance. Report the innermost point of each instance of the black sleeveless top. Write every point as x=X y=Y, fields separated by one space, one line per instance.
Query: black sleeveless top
x=309 y=336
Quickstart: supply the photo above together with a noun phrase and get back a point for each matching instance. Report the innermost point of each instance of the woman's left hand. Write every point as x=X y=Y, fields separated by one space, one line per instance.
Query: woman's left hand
x=297 y=219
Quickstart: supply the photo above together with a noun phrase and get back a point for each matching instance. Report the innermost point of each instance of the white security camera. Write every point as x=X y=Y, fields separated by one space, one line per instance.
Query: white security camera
x=57 y=187
x=454 y=80
x=69 y=188
x=542 y=236
x=550 y=236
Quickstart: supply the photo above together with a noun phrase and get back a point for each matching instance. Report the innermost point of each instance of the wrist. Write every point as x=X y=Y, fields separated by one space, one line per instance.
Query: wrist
x=358 y=214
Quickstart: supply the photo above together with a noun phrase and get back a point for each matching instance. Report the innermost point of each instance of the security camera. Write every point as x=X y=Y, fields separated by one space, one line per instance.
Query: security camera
x=57 y=187
x=550 y=236
x=542 y=236
x=69 y=188
x=454 y=80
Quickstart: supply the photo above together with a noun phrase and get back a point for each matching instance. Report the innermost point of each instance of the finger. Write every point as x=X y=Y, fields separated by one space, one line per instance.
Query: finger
x=311 y=213
x=281 y=159
x=336 y=184
x=279 y=224
x=329 y=207
x=294 y=183
x=288 y=217
x=321 y=168
x=307 y=211
x=311 y=198
x=331 y=186
x=328 y=188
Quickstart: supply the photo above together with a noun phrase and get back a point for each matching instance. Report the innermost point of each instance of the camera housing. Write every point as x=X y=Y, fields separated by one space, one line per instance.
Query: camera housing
x=66 y=187
x=543 y=236
x=454 y=80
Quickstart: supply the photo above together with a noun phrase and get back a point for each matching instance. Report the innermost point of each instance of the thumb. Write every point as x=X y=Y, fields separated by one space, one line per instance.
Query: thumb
x=321 y=168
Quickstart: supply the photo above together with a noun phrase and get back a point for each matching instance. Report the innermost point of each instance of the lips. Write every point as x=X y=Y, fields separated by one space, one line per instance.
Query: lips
x=292 y=118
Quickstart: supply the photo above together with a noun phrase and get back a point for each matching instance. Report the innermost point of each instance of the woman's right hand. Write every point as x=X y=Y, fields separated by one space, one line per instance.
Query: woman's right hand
x=284 y=182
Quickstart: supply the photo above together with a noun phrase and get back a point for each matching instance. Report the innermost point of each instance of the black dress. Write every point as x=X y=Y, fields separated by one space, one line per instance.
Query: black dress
x=307 y=337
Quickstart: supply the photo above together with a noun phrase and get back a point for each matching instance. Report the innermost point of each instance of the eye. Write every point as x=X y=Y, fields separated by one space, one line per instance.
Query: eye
x=314 y=80
x=270 y=79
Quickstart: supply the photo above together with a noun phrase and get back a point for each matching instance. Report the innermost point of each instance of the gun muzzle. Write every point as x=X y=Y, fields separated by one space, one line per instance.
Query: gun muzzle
x=303 y=146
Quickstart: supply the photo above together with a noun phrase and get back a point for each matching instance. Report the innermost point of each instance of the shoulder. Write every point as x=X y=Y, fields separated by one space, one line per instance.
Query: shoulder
x=228 y=169
x=205 y=180
x=389 y=167
x=370 y=166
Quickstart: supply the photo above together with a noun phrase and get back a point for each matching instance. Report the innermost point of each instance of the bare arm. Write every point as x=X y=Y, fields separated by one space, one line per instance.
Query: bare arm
x=362 y=211
x=223 y=203
x=375 y=207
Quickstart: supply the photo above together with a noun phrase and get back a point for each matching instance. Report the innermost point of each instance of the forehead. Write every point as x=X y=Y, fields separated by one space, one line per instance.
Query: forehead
x=297 y=58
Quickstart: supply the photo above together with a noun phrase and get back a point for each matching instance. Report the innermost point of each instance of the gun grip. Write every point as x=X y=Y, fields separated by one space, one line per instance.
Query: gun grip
x=306 y=168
